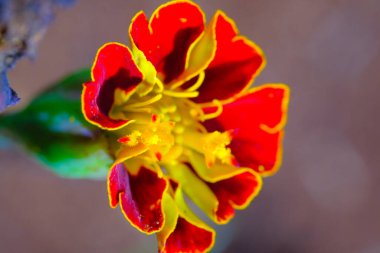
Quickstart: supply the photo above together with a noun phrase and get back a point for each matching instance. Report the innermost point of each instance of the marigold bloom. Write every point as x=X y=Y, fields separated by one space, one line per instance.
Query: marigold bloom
x=181 y=120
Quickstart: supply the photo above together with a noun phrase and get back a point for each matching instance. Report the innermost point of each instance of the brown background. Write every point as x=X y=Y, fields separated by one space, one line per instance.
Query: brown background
x=325 y=197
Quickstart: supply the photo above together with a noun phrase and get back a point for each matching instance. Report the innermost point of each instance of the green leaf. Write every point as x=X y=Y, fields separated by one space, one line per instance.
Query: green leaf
x=53 y=129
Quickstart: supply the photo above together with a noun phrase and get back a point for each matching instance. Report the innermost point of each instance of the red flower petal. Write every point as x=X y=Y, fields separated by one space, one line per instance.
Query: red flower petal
x=139 y=195
x=258 y=119
x=166 y=38
x=187 y=237
x=113 y=69
x=237 y=61
x=183 y=231
x=234 y=193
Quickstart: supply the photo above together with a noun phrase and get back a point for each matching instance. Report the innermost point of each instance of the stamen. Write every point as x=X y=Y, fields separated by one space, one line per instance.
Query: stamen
x=181 y=94
x=219 y=110
x=144 y=103
x=177 y=85
x=196 y=110
x=194 y=87
x=212 y=145
x=160 y=85
x=134 y=138
x=164 y=140
x=198 y=83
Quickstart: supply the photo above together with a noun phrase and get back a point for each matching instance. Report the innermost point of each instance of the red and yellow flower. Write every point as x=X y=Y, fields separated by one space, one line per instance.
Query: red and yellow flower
x=181 y=120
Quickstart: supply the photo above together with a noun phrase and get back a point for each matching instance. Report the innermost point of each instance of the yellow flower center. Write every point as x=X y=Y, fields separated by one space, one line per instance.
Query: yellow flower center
x=165 y=122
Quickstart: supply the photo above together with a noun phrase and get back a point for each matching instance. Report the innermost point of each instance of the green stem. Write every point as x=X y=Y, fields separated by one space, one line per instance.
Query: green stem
x=4 y=122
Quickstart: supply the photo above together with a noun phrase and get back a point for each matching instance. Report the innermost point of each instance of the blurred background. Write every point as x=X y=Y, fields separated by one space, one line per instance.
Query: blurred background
x=324 y=199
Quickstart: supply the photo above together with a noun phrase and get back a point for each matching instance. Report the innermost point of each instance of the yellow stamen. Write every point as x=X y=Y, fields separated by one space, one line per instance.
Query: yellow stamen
x=219 y=110
x=144 y=103
x=194 y=87
x=160 y=85
x=212 y=145
x=181 y=94
x=197 y=111
x=198 y=83
x=134 y=138
x=177 y=84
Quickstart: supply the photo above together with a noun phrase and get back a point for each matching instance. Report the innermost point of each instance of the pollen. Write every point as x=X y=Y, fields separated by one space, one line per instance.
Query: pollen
x=214 y=147
x=133 y=139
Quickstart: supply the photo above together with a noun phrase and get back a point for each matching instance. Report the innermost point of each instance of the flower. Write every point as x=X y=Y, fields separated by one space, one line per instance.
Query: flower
x=181 y=121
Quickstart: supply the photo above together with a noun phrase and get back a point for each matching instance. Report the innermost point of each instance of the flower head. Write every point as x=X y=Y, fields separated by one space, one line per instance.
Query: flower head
x=181 y=120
